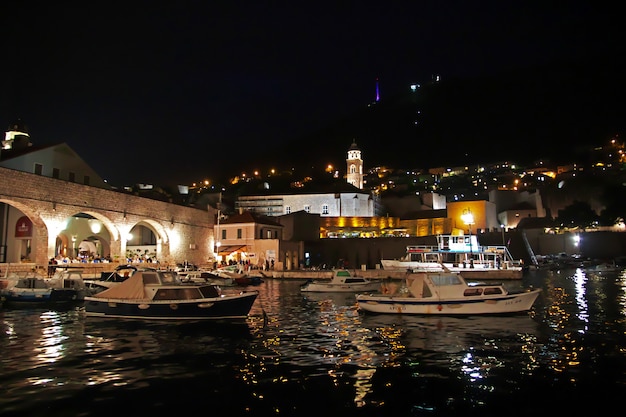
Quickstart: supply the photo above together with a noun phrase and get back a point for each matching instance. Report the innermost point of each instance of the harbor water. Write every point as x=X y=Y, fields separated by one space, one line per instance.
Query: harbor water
x=316 y=354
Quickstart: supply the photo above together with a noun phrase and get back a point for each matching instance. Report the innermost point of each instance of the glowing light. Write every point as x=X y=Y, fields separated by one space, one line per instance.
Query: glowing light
x=95 y=225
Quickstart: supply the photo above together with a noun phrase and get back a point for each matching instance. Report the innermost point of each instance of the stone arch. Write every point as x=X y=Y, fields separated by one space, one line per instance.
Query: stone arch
x=39 y=237
x=106 y=222
x=84 y=228
x=160 y=233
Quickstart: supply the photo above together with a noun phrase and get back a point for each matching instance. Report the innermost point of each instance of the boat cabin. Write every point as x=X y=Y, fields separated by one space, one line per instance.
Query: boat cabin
x=448 y=285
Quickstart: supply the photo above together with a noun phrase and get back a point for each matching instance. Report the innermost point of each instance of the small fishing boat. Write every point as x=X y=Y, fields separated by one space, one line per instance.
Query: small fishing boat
x=342 y=281
x=446 y=293
x=161 y=295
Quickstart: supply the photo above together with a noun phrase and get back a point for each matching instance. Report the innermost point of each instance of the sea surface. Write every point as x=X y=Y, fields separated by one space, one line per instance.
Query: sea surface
x=316 y=354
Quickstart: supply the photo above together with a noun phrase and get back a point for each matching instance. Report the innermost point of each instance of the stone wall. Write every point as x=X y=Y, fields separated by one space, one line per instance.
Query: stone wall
x=183 y=233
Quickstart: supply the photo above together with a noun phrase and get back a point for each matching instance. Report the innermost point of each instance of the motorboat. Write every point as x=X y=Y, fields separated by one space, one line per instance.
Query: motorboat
x=63 y=287
x=225 y=276
x=604 y=267
x=162 y=295
x=247 y=280
x=112 y=278
x=446 y=293
x=342 y=280
x=462 y=254
x=210 y=276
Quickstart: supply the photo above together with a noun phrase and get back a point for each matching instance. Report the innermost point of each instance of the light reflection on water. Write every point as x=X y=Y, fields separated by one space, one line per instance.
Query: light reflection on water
x=316 y=352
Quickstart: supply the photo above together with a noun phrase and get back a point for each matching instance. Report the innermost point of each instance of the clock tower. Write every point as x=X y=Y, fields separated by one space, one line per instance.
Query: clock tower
x=354 y=173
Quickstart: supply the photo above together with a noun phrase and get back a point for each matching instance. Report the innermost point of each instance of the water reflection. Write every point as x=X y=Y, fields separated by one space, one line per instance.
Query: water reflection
x=299 y=354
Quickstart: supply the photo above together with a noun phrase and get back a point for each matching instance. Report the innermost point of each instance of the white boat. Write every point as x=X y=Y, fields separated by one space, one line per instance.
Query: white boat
x=342 y=280
x=215 y=277
x=447 y=293
x=461 y=254
x=161 y=295
x=32 y=289
x=604 y=267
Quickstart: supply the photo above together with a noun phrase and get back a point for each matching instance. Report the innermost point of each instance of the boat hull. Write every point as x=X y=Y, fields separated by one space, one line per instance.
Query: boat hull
x=330 y=287
x=205 y=309
x=57 y=295
x=390 y=304
x=479 y=272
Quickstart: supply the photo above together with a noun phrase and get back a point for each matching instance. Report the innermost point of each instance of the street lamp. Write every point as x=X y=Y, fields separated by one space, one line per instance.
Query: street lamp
x=468 y=219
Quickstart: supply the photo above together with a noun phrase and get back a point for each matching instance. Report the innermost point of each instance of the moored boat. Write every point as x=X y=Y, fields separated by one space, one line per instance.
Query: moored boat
x=161 y=295
x=447 y=293
x=111 y=279
x=32 y=289
x=342 y=281
x=462 y=254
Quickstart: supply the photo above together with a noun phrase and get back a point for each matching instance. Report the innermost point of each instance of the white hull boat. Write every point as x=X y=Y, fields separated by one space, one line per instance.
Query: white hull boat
x=341 y=281
x=462 y=254
x=447 y=293
x=161 y=295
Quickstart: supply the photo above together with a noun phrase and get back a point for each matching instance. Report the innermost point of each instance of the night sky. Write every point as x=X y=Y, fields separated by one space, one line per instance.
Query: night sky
x=179 y=91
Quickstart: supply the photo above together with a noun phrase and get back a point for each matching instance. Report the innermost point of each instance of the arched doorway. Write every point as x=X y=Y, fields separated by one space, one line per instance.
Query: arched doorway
x=19 y=233
x=141 y=244
x=83 y=239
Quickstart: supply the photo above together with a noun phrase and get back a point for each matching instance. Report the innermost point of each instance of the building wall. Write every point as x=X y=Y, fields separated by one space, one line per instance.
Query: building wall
x=348 y=204
x=183 y=233
x=484 y=213
x=300 y=226
x=61 y=157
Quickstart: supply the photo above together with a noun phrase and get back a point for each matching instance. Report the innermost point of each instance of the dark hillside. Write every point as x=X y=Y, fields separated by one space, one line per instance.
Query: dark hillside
x=524 y=116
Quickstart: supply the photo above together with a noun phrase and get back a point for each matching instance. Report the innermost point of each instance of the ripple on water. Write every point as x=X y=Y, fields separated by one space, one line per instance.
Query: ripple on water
x=317 y=353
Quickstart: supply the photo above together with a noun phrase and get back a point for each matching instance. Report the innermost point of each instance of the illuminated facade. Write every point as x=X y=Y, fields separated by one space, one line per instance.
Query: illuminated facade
x=354 y=172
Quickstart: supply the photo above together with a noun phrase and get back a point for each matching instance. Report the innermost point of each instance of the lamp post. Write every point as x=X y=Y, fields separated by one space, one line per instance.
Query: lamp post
x=468 y=219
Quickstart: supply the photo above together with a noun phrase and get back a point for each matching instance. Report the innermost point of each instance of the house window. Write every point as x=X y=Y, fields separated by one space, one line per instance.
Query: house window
x=239 y=233
x=223 y=234
x=269 y=234
x=287 y=209
x=87 y=180
x=56 y=173
x=72 y=177
x=38 y=169
x=325 y=209
x=307 y=209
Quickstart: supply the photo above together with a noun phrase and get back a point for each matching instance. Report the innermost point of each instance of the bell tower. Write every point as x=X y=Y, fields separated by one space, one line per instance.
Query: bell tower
x=16 y=136
x=354 y=172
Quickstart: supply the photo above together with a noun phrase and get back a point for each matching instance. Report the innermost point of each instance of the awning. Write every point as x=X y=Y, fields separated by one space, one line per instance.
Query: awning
x=227 y=250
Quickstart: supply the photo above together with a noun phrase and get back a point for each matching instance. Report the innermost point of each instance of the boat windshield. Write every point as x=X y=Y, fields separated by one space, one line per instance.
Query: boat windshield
x=169 y=277
x=31 y=283
x=446 y=279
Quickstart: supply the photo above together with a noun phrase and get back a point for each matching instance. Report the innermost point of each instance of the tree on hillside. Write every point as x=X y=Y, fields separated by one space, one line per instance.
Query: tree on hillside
x=577 y=214
x=614 y=200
